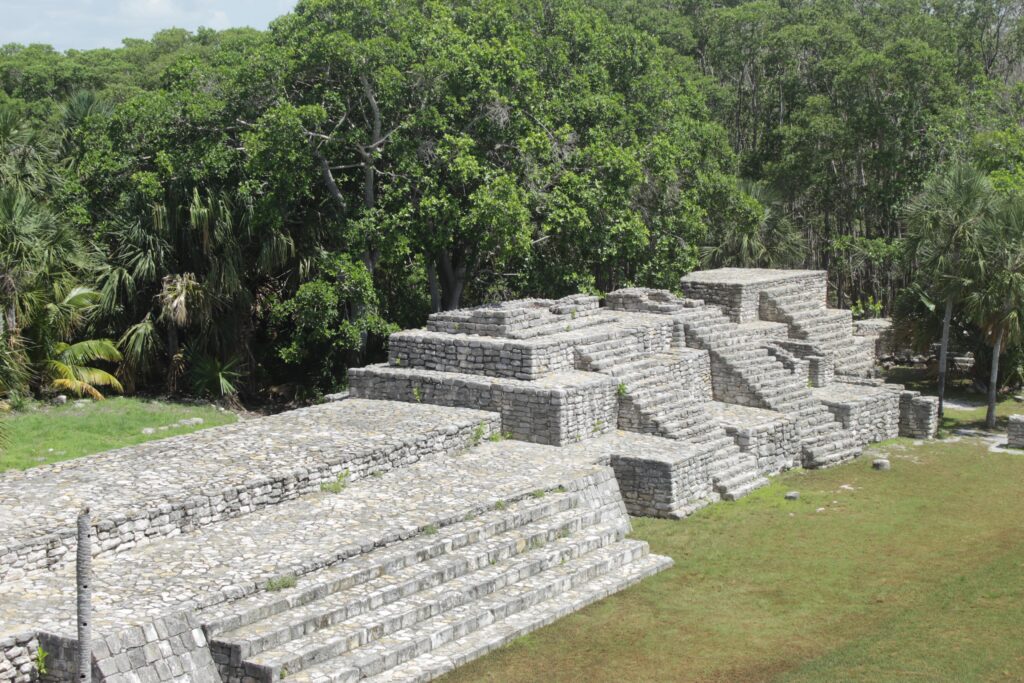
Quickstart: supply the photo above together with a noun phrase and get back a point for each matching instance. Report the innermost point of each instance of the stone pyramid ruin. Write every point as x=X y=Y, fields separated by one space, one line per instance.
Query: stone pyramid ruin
x=473 y=488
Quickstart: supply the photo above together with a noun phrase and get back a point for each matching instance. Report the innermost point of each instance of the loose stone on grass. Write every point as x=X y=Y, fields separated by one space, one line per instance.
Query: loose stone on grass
x=880 y=464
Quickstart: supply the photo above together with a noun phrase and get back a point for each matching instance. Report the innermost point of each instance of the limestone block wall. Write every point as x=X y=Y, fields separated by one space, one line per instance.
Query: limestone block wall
x=541 y=412
x=171 y=648
x=772 y=438
x=869 y=417
x=1015 y=431
x=882 y=331
x=656 y=487
x=738 y=290
x=919 y=415
x=17 y=657
x=492 y=356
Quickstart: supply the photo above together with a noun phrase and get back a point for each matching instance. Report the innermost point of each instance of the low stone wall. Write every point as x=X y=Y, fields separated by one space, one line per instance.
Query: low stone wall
x=664 y=480
x=18 y=658
x=491 y=356
x=738 y=290
x=1015 y=432
x=547 y=412
x=919 y=415
x=171 y=648
x=881 y=329
x=869 y=414
x=771 y=437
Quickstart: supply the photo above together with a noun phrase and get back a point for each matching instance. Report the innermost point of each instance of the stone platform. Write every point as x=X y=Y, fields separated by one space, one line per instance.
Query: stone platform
x=166 y=487
x=498 y=536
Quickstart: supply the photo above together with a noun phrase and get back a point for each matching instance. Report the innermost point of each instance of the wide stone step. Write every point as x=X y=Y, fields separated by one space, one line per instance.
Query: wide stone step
x=466 y=623
x=307 y=615
x=555 y=509
x=315 y=641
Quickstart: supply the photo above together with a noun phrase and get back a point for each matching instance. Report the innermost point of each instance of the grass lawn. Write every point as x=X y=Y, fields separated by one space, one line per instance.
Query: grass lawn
x=50 y=433
x=916 y=574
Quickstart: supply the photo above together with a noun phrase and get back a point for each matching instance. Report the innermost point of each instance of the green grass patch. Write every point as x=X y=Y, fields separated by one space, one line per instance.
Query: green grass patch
x=916 y=574
x=282 y=582
x=45 y=434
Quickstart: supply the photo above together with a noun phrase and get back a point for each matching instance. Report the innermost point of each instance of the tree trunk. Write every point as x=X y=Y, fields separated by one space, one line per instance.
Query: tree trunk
x=993 y=381
x=435 y=290
x=943 y=352
x=452 y=274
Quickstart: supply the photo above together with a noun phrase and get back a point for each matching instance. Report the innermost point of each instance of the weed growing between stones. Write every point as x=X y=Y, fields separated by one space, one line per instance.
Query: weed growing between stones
x=478 y=434
x=539 y=493
x=282 y=582
x=41 y=656
x=336 y=486
x=621 y=390
x=500 y=505
x=417 y=395
x=430 y=529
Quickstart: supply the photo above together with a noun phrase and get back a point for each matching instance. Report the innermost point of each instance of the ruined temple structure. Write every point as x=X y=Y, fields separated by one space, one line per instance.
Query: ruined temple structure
x=473 y=488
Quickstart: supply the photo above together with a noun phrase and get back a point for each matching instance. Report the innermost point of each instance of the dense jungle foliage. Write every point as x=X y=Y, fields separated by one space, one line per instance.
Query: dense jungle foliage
x=251 y=212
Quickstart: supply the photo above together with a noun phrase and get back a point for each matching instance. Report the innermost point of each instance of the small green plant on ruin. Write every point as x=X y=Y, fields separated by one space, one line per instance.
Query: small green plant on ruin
x=539 y=493
x=621 y=390
x=417 y=395
x=500 y=436
x=430 y=529
x=41 y=656
x=500 y=505
x=398 y=361
x=478 y=434
x=338 y=485
x=281 y=582
x=598 y=426
x=284 y=672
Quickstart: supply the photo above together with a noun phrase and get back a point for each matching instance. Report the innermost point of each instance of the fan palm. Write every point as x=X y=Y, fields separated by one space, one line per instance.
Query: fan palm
x=772 y=241
x=996 y=301
x=946 y=220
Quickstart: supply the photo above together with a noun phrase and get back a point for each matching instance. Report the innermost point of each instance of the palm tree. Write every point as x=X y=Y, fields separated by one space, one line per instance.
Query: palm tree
x=946 y=220
x=772 y=241
x=996 y=301
x=63 y=366
x=68 y=369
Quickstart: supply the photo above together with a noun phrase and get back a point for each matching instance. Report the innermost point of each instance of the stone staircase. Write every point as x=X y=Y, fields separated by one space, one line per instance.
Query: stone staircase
x=832 y=329
x=747 y=374
x=417 y=609
x=656 y=399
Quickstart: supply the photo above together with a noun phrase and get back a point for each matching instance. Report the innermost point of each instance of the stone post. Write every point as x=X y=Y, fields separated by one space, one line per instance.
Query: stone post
x=83 y=576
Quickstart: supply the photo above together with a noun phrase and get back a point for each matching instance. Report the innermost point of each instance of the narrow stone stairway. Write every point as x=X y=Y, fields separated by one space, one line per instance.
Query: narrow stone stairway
x=759 y=379
x=832 y=329
x=653 y=400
